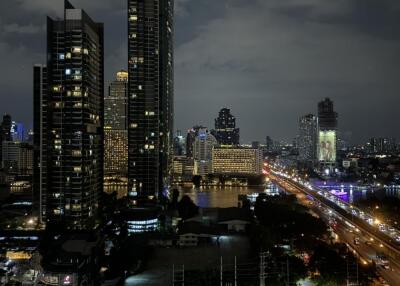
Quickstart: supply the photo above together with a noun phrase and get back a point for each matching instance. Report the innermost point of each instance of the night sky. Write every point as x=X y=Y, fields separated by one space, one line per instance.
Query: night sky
x=270 y=61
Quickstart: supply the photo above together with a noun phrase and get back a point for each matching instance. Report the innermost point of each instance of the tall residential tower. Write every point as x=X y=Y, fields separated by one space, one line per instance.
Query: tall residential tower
x=308 y=129
x=150 y=91
x=69 y=103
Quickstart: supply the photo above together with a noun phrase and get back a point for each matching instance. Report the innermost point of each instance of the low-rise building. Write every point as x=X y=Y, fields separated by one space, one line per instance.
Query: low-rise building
x=141 y=219
x=182 y=169
x=72 y=260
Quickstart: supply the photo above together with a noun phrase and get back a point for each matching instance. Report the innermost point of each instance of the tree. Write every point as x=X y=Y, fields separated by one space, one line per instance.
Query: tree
x=187 y=208
x=196 y=181
x=174 y=199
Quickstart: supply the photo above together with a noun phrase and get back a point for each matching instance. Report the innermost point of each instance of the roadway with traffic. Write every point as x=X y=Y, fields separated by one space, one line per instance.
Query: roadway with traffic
x=365 y=239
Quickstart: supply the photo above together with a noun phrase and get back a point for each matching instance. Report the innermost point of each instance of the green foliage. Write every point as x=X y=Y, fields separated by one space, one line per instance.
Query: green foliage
x=187 y=208
x=288 y=221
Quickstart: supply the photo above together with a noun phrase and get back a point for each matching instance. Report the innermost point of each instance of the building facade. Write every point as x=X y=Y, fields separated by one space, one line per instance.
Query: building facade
x=237 y=160
x=307 y=141
x=5 y=131
x=382 y=145
x=116 y=103
x=226 y=132
x=69 y=108
x=40 y=108
x=116 y=127
x=327 y=135
x=190 y=138
x=150 y=91
x=115 y=152
x=202 y=152
x=182 y=169
x=17 y=158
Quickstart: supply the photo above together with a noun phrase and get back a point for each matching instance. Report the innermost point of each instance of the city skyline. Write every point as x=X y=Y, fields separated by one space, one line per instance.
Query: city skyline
x=364 y=92
x=227 y=142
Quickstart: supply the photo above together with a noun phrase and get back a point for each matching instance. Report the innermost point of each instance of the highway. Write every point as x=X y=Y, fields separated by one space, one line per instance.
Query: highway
x=348 y=227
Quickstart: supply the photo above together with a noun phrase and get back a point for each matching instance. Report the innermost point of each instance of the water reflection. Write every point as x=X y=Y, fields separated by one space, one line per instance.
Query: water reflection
x=352 y=192
x=211 y=197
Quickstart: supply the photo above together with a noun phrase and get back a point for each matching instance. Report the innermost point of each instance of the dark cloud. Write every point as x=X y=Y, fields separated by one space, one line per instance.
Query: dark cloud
x=272 y=61
x=269 y=61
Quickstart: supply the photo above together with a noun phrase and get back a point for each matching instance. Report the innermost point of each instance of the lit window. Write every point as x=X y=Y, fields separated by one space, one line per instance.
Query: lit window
x=77 y=50
x=57 y=88
x=133 y=18
x=61 y=56
x=68 y=55
x=86 y=51
x=140 y=87
x=68 y=71
x=133 y=125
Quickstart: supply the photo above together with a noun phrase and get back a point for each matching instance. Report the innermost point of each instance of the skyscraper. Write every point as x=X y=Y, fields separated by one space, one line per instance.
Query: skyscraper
x=307 y=143
x=17 y=131
x=202 y=152
x=40 y=119
x=190 y=137
x=226 y=132
x=382 y=145
x=150 y=86
x=116 y=127
x=116 y=103
x=71 y=107
x=5 y=131
x=327 y=134
x=327 y=117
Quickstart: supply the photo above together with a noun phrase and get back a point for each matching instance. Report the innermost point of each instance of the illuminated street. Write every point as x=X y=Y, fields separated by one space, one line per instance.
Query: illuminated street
x=372 y=240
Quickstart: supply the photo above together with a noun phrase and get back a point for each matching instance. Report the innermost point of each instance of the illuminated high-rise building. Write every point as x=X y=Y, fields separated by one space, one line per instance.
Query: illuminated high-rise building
x=115 y=152
x=17 y=131
x=116 y=127
x=116 y=103
x=70 y=137
x=5 y=132
x=226 y=132
x=202 y=152
x=150 y=86
x=40 y=132
x=190 y=137
x=327 y=135
x=382 y=145
x=307 y=141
